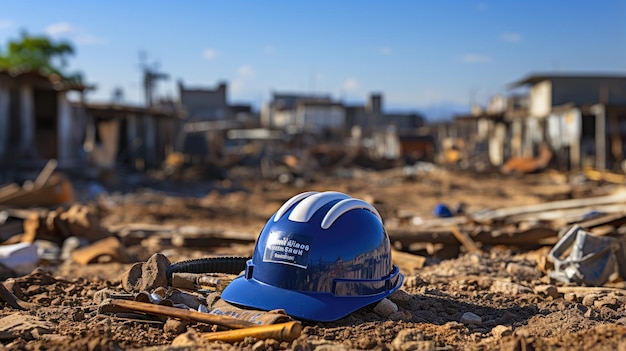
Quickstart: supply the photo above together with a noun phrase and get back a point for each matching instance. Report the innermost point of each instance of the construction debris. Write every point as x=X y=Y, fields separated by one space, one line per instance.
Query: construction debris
x=484 y=275
x=583 y=258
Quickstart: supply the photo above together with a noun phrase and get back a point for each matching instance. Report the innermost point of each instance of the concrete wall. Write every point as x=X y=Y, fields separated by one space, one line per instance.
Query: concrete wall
x=281 y=119
x=541 y=99
x=586 y=91
x=205 y=104
x=319 y=117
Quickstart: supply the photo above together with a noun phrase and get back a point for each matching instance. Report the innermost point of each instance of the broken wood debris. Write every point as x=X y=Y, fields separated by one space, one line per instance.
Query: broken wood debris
x=194 y=316
x=47 y=189
x=465 y=240
x=523 y=226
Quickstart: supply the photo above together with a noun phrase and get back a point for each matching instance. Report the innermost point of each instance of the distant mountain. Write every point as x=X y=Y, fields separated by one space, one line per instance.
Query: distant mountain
x=440 y=111
x=444 y=111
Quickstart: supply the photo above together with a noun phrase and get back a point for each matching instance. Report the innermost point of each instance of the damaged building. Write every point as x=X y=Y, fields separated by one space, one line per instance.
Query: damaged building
x=565 y=121
x=37 y=121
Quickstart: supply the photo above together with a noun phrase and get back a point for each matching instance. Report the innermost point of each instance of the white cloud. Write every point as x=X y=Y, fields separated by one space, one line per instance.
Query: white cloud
x=245 y=71
x=511 y=37
x=245 y=74
x=74 y=34
x=57 y=29
x=351 y=85
x=385 y=50
x=209 y=54
x=6 y=24
x=476 y=58
x=269 y=50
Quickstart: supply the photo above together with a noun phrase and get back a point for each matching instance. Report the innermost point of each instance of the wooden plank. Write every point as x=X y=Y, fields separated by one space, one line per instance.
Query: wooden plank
x=9 y=191
x=613 y=219
x=618 y=197
x=407 y=262
x=531 y=237
x=571 y=215
x=583 y=290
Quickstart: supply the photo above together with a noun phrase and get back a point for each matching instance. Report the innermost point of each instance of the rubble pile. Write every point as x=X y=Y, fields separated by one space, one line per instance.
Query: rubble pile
x=499 y=270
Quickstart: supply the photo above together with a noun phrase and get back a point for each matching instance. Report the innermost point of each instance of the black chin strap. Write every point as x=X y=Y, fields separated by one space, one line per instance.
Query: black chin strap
x=228 y=265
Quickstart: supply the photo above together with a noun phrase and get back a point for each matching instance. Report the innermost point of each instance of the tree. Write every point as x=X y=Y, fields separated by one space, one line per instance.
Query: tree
x=39 y=53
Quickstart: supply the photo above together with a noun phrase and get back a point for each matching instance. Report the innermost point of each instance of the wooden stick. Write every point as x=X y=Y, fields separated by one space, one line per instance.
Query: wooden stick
x=45 y=173
x=464 y=239
x=180 y=313
x=288 y=331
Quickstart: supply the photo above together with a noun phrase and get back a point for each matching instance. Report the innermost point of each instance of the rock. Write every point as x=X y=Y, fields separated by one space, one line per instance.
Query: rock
x=591 y=313
x=367 y=342
x=425 y=316
x=411 y=340
x=402 y=315
x=271 y=344
x=523 y=272
x=191 y=339
x=325 y=345
x=259 y=346
x=570 y=297
x=590 y=299
x=607 y=301
x=175 y=326
x=400 y=297
x=501 y=330
x=102 y=295
x=385 y=308
x=471 y=318
x=146 y=276
x=548 y=290
x=509 y=288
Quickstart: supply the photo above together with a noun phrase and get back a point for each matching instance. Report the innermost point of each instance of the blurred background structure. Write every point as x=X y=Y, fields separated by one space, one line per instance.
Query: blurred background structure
x=296 y=88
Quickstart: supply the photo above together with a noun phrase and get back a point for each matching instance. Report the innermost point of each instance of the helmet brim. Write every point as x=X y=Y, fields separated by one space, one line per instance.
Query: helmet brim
x=312 y=306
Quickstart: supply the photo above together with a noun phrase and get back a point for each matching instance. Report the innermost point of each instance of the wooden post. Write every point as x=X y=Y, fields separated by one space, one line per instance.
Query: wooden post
x=65 y=139
x=600 y=112
x=150 y=140
x=5 y=119
x=27 y=117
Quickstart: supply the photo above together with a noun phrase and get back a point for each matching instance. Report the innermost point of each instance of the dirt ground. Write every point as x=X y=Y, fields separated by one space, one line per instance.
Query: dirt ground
x=469 y=302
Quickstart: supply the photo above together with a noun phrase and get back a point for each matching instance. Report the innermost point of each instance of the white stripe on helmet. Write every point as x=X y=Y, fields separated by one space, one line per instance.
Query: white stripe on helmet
x=306 y=204
x=344 y=206
x=307 y=207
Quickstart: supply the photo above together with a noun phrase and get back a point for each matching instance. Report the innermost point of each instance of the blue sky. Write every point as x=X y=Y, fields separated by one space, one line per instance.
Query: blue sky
x=422 y=55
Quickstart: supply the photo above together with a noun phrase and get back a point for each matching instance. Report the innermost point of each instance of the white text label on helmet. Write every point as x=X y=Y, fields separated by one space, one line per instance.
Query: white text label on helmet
x=287 y=248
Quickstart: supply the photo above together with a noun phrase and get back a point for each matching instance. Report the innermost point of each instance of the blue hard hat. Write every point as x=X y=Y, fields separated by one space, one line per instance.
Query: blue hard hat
x=320 y=257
